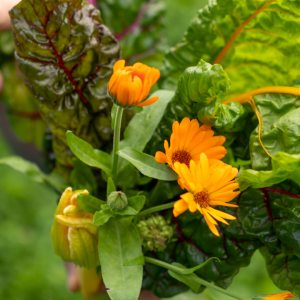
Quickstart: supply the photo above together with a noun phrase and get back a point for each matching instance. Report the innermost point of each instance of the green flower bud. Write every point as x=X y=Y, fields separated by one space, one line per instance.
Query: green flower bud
x=156 y=233
x=117 y=200
x=73 y=233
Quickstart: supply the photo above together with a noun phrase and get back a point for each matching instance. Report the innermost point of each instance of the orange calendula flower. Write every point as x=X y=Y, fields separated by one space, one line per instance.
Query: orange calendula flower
x=188 y=140
x=280 y=296
x=208 y=184
x=131 y=85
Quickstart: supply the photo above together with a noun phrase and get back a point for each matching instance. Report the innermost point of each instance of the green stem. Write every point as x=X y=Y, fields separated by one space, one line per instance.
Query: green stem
x=156 y=209
x=182 y=271
x=116 y=141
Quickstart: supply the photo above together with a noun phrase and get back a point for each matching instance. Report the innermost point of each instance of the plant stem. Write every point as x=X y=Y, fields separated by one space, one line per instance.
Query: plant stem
x=116 y=140
x=156 y=209
x=179 y=270
x=246 y=97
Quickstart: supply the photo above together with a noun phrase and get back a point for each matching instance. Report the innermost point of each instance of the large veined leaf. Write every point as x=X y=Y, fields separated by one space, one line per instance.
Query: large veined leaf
x=138 y=26
x=252 y=39
x=66 y=54
x=21 y=107
x=280 y=130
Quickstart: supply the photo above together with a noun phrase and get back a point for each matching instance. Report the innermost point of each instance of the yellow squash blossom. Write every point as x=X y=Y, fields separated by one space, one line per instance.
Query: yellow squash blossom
x=208 y=184
x=74 y=235
x=131 y=85
x=188 y=140
x=280 y=296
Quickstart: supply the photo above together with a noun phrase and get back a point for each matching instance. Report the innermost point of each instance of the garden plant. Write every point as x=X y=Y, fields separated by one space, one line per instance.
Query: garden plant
x=171 y=165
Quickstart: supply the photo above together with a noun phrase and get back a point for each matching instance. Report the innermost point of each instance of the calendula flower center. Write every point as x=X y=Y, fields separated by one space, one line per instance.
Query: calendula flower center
x=182 y=157
x=202 y=198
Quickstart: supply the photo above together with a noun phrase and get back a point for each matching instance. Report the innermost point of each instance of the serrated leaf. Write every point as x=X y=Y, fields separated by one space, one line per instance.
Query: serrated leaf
x=66 y=54
x=120 y=245
x=251 y=39
x=142 y=126
x=87 y=154
x=147 y=165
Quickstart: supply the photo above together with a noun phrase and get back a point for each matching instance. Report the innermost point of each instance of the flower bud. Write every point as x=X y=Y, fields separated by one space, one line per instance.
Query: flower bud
x=131 y=85
x=156 y=233
x=117 y=200
x=73 y=233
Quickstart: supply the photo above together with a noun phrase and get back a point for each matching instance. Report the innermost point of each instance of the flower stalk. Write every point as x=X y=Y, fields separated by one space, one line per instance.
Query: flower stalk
x=155 y=209
x=116 y=140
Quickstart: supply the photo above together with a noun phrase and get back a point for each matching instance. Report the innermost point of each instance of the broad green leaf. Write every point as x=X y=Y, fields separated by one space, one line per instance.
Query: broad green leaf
x=21 y=107
x=280 y=128
x=284 y=166
x=66 y=55
x=89 y=203
x=142 y=126
x=32 y=171
x=87 y=154
x=283 y=270
x=119 y=245
x=253 y=40
x=147 y=165
x=24 y=166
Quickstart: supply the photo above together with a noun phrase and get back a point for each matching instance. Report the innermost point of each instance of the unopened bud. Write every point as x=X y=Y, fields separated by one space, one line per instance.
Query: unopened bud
x=73 y=233
x=156 y=233
x=117 y=200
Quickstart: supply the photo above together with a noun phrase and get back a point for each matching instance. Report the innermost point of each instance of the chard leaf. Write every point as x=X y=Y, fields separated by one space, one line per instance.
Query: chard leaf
x=280 y=128
x=147 y=165
x=66 y=54
x=120 y=250
x=284 y=166
x=253 y=40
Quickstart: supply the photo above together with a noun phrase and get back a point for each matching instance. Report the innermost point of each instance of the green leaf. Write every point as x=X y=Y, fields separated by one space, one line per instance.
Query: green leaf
x=87 y=154
x=147 y=165
x=283 y=270
x=280 y=128
x=89 y=203
x=110 y=186
x=263 y=35
x=32 y=171
x=66 y=59
x=142 y=126
x=151 y=20
x=21 y=107
x=82 y=177
x=137 y=202
x=102 y=216
x=284 y=166
x=120 y=245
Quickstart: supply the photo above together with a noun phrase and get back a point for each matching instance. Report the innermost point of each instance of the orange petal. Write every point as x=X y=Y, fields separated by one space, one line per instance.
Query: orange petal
x=160 y=157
